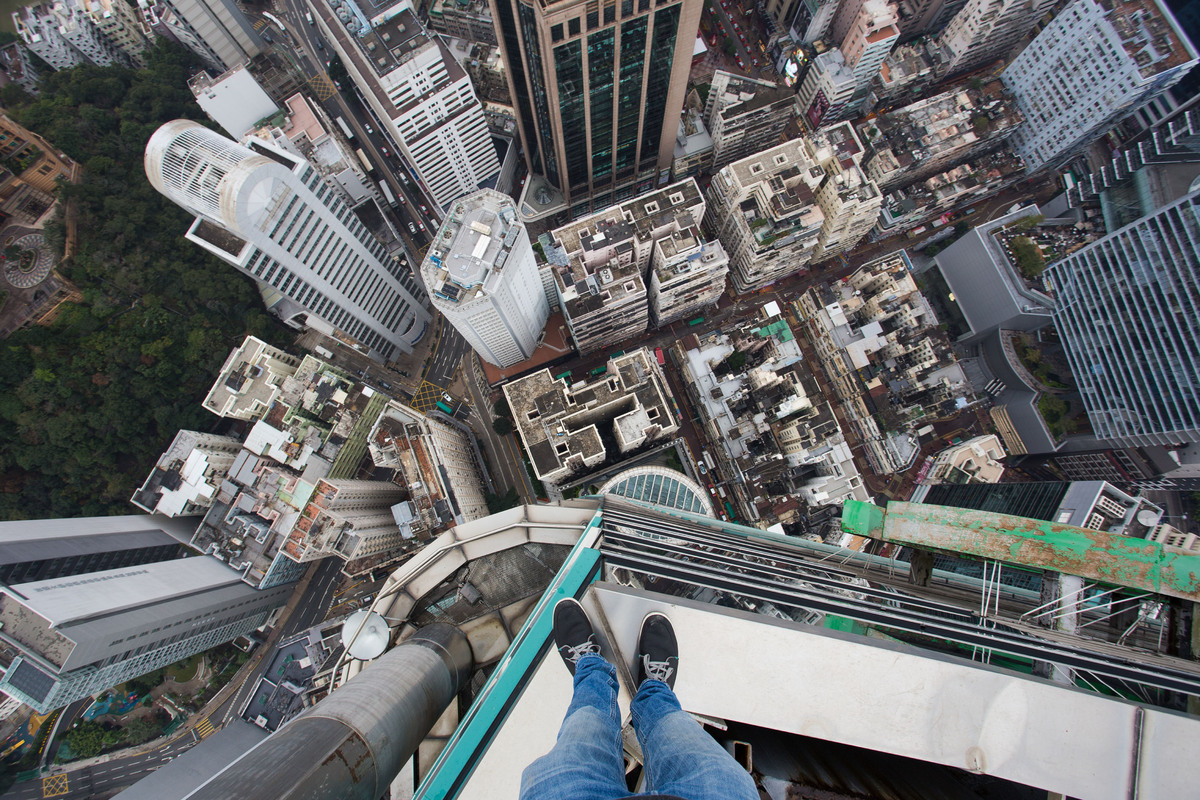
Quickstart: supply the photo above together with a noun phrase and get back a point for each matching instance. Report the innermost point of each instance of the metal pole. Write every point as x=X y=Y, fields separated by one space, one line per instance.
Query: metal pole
x=352 y=744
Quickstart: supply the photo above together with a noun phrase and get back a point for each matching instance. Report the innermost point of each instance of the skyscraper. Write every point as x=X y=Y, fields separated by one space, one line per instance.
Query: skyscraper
x=483 y=278
x=271 y=215
x=78 y=635
x=598 y=91
x=417 y=90
x=1088 y=69
x=983 y=30
x=1126 y=307
x=216 y=30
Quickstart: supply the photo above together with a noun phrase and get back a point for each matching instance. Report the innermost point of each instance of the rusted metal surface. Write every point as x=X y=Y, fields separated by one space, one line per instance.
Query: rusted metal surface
x=1095 y=555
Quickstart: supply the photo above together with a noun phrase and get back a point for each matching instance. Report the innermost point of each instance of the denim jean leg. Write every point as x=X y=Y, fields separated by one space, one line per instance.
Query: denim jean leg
x=587 y=762
x=681 y=759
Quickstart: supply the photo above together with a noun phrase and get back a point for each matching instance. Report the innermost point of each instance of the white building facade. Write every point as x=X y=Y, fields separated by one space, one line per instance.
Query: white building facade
x=420 y=93
x=272 y=216
x=1090 y=68
x=482 y=276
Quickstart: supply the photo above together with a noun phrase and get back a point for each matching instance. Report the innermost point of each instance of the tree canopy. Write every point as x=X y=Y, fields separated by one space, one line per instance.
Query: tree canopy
x=88 y=403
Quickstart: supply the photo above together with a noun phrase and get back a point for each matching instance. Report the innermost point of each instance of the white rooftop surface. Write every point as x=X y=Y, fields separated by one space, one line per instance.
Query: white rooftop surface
x=265 y=440
x=882 y=696
x=475 y=247
x=62 y=600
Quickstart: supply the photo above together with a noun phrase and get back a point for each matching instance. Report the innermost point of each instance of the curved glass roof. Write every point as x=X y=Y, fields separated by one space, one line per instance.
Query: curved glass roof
x=661 y=486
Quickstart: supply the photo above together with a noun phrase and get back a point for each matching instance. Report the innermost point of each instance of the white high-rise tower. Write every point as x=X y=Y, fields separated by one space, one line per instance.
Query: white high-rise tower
x=272 y=216
x=482 y=275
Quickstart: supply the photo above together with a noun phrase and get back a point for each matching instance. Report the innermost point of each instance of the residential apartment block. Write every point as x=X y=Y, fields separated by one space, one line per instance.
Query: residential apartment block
x=744 y=116
x=64 y=35
x=346 y=518
x=187 y=475
x=271 y=215
x=600 y=263
x=774 y=434
x=687 y=276
x=420 y=93
x=470 y=20
x=482 y=277
x=827 y=90
x=439 y=463
x=875 y=336
x=560 y=424
x=801 y=201
x=984 y=30
x=1093 y=65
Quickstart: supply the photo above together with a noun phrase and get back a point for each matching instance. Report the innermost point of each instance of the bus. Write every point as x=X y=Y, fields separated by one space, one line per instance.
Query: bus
x=563 y=376
x=696 y=321
x=367 y=165
x=387 y=192
x=658 y=353
x=600 y=370
x=345 y=128
x=445 y=409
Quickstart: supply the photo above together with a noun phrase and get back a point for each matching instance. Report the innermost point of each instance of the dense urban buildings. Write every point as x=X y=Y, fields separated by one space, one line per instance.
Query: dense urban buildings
x=599 y=264
x=598 y=93
x=482 y=277
x=745 y=116
x=1125 y=308
x=418 y=91
x=800 y=201
x=187 y=475
x=1094 y=64
x=271 y=215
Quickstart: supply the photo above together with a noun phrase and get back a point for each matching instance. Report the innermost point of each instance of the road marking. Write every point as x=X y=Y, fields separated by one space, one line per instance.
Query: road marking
x=55 y=785
x=204 y=728
x=322 y=86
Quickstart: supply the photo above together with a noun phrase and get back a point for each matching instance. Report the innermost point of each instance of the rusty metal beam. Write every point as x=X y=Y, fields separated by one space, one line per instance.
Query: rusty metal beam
x=1094 y=555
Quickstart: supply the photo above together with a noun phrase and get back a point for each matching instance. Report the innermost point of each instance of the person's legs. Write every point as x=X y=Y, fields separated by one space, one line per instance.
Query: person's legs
x=587 y=761
x=680 y=758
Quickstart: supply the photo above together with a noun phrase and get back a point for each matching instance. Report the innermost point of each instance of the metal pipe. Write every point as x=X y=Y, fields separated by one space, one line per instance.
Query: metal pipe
x=352 y=744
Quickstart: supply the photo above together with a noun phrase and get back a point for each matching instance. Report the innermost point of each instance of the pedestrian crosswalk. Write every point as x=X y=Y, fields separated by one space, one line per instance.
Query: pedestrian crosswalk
x=996 y=388
x=204 y=728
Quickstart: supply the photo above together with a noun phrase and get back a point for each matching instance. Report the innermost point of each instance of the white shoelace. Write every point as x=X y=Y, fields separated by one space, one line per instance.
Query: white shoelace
x=578 y=651
x=657 y=670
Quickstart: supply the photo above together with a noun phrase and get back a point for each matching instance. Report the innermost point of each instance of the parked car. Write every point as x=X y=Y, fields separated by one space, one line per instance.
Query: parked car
x=412 y=229
x=368 y=127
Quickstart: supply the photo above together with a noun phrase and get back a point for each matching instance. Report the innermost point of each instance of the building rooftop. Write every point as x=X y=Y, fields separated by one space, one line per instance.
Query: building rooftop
x=249 y=380
x=633 y=219
x=1149 y=35
x=468 y=254
x=569 y=430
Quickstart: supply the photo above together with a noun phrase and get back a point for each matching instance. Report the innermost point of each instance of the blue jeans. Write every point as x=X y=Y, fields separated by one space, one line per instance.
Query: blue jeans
x=587 y=761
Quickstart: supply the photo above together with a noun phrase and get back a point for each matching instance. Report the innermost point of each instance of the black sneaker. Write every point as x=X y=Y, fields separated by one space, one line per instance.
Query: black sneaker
x=658 y=653
x=573 y=632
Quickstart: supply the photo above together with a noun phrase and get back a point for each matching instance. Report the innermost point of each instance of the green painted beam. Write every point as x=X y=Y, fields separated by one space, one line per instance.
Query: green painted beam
x=1094 y=555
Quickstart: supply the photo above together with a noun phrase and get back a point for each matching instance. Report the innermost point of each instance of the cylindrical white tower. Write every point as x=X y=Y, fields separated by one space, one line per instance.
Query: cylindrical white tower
x=482 y=276
x=271 y=215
